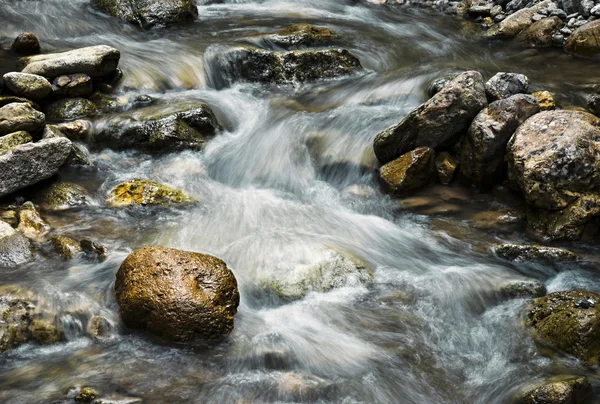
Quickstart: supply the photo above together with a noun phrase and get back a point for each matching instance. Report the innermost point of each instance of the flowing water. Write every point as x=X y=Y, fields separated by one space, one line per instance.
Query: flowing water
x=287 y=185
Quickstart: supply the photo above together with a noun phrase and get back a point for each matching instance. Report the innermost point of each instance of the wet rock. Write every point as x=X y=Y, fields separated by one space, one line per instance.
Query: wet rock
x=31 y=163
x=256 y=65
x=26 y=44
x=552 y=157
x=95 y=61
x=20 y=116
x=446 y=166
x=72 y=85
x=504 y=85
x=12 y=140
x=79 y=157
x=149 y=13
x=332 y=270
x=545 y=100
x=566 y=224
x=86 y=395
x=438 y=84
x=145 y=192
x=482 y=156
x=62 y=196
x=75 y=130
x=15 y=248
x=31 y=224
x=409 y=172
x=534 y=253
x=481 y=9
x=523 y=288
x=70 y=108
x=556 y=390
x=16 y=312
x=99 y=328
x=10 y=99
x=585 y=40
x=540 y=32
x=27 y=85
x=118 y=400
x=562 y=321
x=512 y=25
x=93 y=249
x=301 y=35
x=66 y=247
x=438 y=122
x=43 y=332
x=180 y=296
x=159 y=129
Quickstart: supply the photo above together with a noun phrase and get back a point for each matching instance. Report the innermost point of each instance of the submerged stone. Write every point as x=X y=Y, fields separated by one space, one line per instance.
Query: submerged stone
x=62 y=195
x=534 y=253
x=65 y=246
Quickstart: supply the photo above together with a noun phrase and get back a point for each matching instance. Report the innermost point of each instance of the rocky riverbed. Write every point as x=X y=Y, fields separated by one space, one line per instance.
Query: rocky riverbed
x=320 y=201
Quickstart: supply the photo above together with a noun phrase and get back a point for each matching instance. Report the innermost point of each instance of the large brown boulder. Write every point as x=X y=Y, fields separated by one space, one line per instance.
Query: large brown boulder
x=540 y=32
x=568 y=322
x=177 y=295
x=585 y=40
x=512 y=25
x=482 y=157
x=409 y=172
x=553 y=158
x=438 y=122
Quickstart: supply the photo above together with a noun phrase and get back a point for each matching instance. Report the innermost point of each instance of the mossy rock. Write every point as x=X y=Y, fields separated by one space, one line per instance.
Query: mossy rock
x=568 y=322
x=86 y=395
x=534 y=253
x=12 y=140
x=67 y=109
x=563 y=389
x=409 y=172
x=66 y=247
x=145 y=192
x=522 y=288
x=301 y=35
x=62 y=196
x=43 y=332
x=31 y=224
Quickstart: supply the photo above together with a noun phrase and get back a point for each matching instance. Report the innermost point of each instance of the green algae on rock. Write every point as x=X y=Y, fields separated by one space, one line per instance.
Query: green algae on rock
x=12 y=140
x=145 y=192
x=31 y=224
x=66 y=247
x=568 y=322
x=67 y=109
x=62 y=196
x=177 y=295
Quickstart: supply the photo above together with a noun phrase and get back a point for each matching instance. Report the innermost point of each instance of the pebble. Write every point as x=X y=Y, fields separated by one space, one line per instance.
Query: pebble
x=574 y=15
x=566 y=31
x=596 y=10
x=497 y=10
x=558 y=39
x=584 y=303
x=499 y=18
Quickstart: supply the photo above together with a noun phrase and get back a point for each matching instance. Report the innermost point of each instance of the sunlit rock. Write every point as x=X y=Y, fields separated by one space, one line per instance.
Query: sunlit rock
x=409 y=172
x=438 y=122
x=31 y=224
x=145 y=192
x=177 y=295
x=27 y=85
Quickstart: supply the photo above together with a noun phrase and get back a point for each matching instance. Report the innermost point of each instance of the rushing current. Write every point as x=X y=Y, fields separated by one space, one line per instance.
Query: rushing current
x=288 y=183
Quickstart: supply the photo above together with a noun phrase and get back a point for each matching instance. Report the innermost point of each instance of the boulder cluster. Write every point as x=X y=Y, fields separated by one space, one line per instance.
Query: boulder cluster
x=489 y=133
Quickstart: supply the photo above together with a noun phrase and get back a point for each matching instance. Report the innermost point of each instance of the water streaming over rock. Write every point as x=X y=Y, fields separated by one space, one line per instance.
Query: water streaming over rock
x=416 y=315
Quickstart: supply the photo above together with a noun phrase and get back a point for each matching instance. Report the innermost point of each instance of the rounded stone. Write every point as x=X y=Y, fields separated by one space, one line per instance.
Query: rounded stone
x=26 y=44
x=177 y=295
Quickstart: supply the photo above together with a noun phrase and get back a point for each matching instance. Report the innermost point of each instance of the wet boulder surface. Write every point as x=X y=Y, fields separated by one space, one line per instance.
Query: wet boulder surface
x=141 y=192
x=149 y=13
x=158 y=129
x=438 y=122
x=177 y=295
x=568 y=322
x=564 y=389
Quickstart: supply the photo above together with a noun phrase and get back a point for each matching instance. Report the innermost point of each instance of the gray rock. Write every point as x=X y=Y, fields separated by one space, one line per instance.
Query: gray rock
x=20 y=116
x=482 y=9
x=95 y=61
x=585 y=7
x=288 y=67
x=73 y=85
x=523 y=288
x=70 y=108
x=301 y=35
x=438 y=122
x=570 y=6
x=149 y=13
x=557 y=12
x=26 y=44
x=595 y=11
x=512 y=25
x=482 y=157
x=504 y=85
x=15 y=248
x=27 y=85
x=10 y=141
x=495 y=11
x=159 y=129
x=552 y=158
x=31 y=163
x=534 y=253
